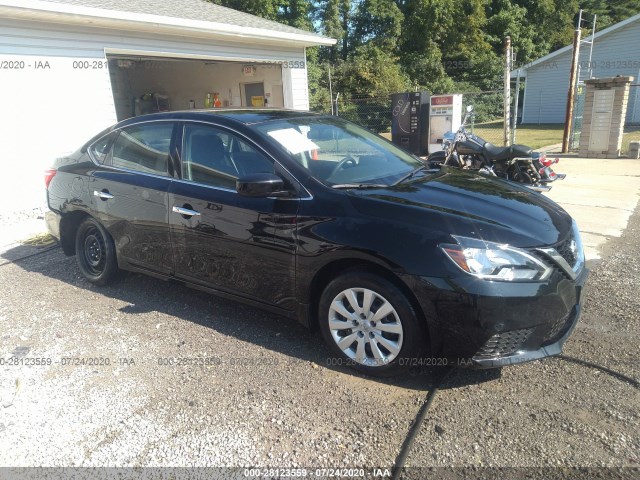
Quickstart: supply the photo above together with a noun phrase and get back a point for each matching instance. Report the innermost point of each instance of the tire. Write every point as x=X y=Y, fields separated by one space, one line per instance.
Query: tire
x=436 y=159
x=523 y=177
x=397 y=343
x=96 y=253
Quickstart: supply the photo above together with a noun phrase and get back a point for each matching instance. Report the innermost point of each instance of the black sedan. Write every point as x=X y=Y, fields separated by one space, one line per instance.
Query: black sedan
x=320 y=220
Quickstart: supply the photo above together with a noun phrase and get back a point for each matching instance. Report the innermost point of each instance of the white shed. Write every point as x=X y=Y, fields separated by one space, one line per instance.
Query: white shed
x=71 y=68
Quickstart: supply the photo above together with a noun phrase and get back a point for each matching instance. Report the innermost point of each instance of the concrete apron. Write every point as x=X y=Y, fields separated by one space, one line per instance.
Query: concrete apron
x=600 y=195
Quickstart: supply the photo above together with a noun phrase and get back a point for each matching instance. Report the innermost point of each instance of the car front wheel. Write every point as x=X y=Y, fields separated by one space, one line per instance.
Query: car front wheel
x=96 y=253
x=369 y=324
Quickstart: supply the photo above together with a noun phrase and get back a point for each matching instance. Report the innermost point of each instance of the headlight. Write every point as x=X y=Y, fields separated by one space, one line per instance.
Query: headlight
x=493 y=261
x=579 y=248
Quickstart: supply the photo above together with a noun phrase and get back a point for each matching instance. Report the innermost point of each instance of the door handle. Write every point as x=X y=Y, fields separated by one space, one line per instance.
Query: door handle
x=104 y=195
x=185 y=211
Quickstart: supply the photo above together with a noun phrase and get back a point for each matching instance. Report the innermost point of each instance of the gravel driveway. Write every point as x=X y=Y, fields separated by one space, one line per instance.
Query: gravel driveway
x=147 y=373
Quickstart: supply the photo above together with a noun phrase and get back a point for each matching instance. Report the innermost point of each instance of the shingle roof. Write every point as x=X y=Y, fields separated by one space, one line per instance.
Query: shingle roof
x=190 y=10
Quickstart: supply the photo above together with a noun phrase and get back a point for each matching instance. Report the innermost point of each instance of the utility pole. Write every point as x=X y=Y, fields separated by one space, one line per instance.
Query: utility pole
x=515 y=108
x=572 y=86
x=507 y=91
x=330 y=88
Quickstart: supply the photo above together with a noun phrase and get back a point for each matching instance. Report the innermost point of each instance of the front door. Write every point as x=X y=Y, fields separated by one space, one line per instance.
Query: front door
x=222 y=239
x=130 y=193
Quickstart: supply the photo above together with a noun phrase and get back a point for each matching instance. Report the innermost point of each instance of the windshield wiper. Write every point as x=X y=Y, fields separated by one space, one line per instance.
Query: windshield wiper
x=412 y=174
x=361 y=186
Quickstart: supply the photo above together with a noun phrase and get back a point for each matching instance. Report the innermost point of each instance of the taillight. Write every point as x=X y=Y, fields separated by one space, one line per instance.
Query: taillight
x=557 y=160
x=49 y=173
x=552 y=174
x=546 y=161
x=541 y=171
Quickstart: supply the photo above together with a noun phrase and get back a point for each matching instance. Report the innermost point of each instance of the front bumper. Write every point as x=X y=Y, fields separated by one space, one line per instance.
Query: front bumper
x=519 y=351
x=486 y=324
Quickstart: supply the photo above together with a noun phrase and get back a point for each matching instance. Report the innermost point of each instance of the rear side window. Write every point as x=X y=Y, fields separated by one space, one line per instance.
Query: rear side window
x=100 y=149
x=143 y=148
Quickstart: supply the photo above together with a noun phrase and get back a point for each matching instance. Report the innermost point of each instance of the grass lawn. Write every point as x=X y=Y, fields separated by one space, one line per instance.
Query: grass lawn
x=535 y=136
x=631 y=134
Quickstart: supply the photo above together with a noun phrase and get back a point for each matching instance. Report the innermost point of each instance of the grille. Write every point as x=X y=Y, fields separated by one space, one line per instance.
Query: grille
x=557 y=329
x=505 y=343
x=564 y=249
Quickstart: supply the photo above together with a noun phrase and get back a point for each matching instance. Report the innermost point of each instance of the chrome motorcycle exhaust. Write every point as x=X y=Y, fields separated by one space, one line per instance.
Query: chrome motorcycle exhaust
x=538 y=188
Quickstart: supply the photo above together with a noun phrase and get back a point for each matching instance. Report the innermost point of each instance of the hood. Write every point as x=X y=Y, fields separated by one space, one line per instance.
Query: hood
x=473 y=205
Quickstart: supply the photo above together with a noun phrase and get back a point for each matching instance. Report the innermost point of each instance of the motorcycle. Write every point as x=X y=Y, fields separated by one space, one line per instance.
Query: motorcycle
x=518 y=163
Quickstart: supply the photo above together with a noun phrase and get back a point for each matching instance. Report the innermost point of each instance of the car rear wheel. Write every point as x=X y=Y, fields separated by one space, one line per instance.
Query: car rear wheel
x=96 y=253
x=369 y=324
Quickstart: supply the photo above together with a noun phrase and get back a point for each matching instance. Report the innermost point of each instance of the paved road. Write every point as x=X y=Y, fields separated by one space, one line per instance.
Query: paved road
x=600 y=194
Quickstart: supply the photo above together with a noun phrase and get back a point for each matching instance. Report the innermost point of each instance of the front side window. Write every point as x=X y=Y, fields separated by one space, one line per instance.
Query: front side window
x=215 y=157
x=143 y=148
x=337 y=152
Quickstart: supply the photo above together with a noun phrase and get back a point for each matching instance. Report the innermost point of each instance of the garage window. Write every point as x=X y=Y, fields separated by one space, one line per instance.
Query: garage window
x=143 y=148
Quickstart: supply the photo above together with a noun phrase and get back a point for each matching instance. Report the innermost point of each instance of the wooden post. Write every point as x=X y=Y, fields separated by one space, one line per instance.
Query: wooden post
x=515 y=109
x=568 y=120
x=507 y=91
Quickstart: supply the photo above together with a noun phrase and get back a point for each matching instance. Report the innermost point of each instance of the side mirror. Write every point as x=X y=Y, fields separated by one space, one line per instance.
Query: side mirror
x=469 y=108
x=261 y=185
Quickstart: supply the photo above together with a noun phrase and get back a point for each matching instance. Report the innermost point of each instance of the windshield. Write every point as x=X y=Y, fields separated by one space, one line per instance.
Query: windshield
x=338 y=152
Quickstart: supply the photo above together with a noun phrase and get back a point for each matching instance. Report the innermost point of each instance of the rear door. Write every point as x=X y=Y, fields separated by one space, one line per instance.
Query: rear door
x=130 y=193
x=221 y=239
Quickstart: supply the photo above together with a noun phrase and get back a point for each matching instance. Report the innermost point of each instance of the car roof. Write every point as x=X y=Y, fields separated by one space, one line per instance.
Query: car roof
x=246 y=116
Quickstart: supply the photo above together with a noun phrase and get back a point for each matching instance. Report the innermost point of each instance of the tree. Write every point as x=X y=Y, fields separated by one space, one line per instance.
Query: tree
x=332 y=26
x=386 y=46
x=378 y=22
x=371 y=72
x=609 y=13
x=296 y=13
x=268 y=9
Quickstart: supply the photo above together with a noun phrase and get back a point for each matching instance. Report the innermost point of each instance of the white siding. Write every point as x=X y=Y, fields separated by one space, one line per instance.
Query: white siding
x=48 y=112
x=547 y=83
x=295 y=87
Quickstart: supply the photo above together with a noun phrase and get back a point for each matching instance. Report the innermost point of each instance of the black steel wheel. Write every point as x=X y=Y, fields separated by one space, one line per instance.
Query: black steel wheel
x=95 y=253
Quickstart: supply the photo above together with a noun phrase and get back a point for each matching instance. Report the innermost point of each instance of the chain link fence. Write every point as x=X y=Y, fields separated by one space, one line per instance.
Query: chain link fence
x=632 y=124
x=488 y=119
x=578 y=113
x=374 y=113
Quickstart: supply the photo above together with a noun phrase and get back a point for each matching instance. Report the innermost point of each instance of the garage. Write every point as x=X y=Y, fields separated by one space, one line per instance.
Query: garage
x=151 y=84
x=71 y=68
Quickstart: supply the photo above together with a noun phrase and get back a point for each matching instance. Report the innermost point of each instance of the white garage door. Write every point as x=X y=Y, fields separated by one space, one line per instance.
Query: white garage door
x=50 y=106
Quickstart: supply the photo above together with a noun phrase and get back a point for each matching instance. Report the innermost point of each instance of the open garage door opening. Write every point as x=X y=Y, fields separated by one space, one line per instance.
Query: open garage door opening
x=142 y=85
